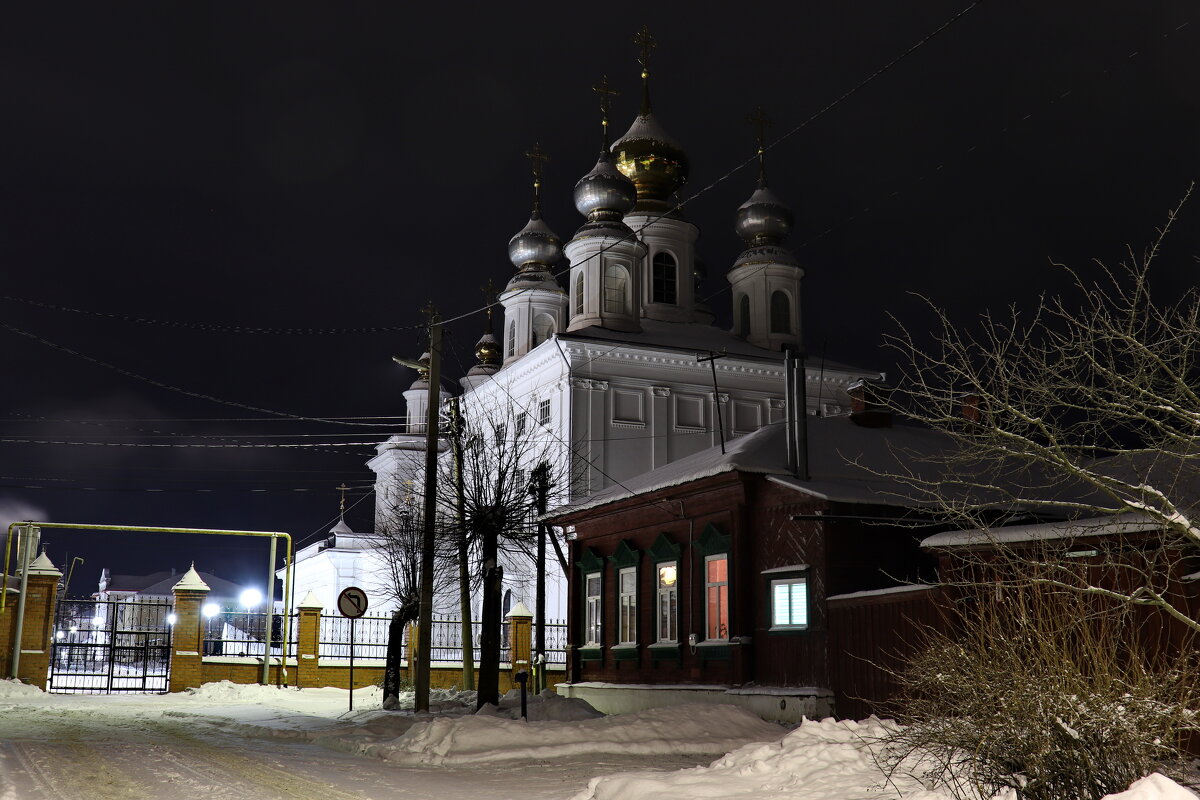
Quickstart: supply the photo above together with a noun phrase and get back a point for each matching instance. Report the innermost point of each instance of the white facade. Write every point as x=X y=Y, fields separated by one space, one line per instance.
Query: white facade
x=613 y=378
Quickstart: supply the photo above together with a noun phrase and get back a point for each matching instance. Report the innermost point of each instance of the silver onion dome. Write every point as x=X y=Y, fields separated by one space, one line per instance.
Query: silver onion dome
x=764 y=219
x=535 y=247
x=605 y=192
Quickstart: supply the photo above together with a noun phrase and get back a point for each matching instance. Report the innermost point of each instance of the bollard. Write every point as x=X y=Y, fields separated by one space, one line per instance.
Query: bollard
x=523 y=678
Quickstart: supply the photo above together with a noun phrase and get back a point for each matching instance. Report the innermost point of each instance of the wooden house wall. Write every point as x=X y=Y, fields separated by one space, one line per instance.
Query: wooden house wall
x=870 y=638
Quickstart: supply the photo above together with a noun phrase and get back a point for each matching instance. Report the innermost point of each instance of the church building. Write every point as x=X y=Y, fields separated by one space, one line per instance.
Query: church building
x=607 y=349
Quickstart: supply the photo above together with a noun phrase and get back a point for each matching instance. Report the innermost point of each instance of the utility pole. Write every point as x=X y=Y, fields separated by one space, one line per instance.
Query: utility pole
x=711 y=358
x=540 y=488
x=425 y=622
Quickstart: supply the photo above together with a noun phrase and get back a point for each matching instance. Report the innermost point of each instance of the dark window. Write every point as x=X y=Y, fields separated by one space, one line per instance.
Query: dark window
x=665 y=279
x=743 y=320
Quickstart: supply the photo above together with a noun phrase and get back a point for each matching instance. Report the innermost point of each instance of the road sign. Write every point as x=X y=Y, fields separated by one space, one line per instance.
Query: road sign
x=352 y=602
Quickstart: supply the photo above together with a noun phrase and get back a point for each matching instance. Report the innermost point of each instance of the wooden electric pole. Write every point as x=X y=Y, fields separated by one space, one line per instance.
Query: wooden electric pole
x=425 y=621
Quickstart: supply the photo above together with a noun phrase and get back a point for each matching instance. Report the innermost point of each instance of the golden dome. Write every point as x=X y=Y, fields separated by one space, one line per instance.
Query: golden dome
x=656 y=163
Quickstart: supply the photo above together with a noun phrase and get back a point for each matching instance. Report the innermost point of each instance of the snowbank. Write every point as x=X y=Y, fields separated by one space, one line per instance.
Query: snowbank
x=817 y=761
x=10 y=689
x=483 y=738
x=1155 y=786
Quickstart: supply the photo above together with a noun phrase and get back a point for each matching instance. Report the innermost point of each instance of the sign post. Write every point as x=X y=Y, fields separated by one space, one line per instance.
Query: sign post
x=352 y=603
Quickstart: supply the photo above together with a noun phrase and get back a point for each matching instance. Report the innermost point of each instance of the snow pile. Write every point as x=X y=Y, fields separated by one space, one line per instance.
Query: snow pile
x=549 y=706
x=13 y=689
x=818 y=760
x=1155 y=786
x=486 y=738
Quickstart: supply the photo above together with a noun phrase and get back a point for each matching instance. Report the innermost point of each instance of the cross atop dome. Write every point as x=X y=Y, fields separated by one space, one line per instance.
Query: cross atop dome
x=606 y=96
x=537 y=157
x=645 y=40
x=759 y=119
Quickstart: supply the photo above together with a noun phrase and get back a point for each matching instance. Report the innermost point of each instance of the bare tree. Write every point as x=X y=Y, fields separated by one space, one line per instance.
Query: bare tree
x=398 y=545
x=1087 y=408
x=1054 y=695
x=487 y=493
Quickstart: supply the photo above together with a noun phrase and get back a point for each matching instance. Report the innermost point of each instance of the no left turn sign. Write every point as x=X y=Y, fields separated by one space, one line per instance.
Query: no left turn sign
x=352 y=602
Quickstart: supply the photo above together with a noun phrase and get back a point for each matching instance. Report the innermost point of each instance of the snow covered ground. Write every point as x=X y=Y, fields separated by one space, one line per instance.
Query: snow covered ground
x=226 y=741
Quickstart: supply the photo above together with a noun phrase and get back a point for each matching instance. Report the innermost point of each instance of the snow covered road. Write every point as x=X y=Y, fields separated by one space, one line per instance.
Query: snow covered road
x=180 y=747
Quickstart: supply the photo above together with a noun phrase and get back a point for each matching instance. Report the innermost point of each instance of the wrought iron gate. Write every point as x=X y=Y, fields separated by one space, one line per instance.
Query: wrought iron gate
x=104 y=646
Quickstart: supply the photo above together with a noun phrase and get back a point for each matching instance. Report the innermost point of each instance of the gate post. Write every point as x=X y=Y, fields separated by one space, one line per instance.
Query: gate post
x=37 y=631
x=520 y=640
x=187 y=639
x=308 y=637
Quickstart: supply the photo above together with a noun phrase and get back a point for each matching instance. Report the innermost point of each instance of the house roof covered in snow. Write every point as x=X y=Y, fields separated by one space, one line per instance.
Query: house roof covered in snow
x=848 y=463
x=1044 y=531
x=161 y=584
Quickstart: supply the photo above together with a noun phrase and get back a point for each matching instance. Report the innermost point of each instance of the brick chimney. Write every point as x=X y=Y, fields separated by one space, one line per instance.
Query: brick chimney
x=869 y=404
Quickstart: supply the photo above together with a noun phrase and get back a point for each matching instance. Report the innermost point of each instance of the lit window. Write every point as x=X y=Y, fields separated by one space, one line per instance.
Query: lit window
x=544 y=413
x=591 y=626
x=668 y=602
x=716 y=593
x=789 y=603
x=616 y=289
x=579 y=293
x=627 y=605
x=781 y=313
x=664 y=279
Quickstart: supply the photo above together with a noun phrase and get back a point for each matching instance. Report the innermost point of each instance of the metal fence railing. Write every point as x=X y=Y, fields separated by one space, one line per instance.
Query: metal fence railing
x=244 y=633
x=371 y=638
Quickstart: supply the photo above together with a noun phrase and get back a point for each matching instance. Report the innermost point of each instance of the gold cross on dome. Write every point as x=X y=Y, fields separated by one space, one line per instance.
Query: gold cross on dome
x=645 y=40
x=489 y=299
x=343 y=488
x=538 y=157
x=761 y=121
x=606 y=95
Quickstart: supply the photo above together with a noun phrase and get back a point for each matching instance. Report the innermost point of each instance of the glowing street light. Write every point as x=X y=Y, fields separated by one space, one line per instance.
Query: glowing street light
x=172 y=618
x=250 y=598
x=210 y=610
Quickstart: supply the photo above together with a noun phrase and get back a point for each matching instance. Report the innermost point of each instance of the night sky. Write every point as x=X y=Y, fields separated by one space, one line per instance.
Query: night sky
x=241 y=171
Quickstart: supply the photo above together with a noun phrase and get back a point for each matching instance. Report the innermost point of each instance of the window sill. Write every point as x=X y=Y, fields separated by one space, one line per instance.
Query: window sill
x=624 y=652
x=714 y=651
x=591 y=653
x=789 y=630
x=664 y=651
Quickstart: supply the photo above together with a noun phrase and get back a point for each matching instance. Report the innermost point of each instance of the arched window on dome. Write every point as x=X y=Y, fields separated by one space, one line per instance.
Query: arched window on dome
x=743 y=316
x=543 y=328
x=781 y=313
x=512 y=339
x=616 y=289
x=579 y=293
x=664 y=279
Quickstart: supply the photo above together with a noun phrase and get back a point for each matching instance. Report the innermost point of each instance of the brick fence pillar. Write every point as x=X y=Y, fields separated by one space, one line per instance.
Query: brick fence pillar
x=520 y=640
x=187 y=638
x=37 y=632
x=308 y=638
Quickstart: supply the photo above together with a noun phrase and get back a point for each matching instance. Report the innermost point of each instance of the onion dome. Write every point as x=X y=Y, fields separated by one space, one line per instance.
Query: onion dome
x=535 y=248
x=341 y=527
x=605 y=192
x=604 y=195
x=646 y=154
x=764 y=219
x=487 y=349
x=422 y=381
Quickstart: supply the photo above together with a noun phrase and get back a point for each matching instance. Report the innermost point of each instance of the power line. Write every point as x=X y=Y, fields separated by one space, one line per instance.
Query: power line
x=167 y=386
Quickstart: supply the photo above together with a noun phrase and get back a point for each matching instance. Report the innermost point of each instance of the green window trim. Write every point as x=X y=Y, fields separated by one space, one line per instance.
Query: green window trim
x=664 y=652
x=664 y=549
x=624 y=652
x=591 y=653
x=625 y=555
x=590 y=561
x=712 y=542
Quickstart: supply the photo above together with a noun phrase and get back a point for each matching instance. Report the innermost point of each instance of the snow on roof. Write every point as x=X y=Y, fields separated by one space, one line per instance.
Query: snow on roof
x=191 y=581
x=698 y=337
x=1044 y=531
x=912 y=587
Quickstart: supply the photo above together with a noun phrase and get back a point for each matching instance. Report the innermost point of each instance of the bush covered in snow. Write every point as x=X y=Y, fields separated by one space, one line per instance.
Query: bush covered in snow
x=1048 y=694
